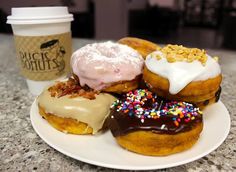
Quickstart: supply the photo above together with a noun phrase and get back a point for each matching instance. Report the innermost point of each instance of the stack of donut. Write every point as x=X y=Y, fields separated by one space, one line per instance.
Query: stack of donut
x=81 y=104
x=149 y=97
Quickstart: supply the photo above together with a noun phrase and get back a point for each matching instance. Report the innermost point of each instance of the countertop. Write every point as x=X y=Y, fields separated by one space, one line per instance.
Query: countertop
x=23 y=150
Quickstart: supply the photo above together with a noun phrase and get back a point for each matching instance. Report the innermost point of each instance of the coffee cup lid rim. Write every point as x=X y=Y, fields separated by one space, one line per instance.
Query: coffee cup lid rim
x=39 y=15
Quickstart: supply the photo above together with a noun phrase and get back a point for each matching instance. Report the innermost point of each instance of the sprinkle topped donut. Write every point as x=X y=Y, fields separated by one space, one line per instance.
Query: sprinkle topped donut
x=142 y=109
x=99 y=65
x=143 y=123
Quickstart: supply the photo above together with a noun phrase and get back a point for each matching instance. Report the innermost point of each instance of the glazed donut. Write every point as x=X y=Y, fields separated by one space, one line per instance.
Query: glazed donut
x=192 y=76
x=144 y=47
x=108 y=66
x=73 y=109
x=143 y=123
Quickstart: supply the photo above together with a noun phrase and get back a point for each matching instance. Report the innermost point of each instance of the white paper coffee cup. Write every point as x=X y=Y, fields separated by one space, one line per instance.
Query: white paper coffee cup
x=43 y=44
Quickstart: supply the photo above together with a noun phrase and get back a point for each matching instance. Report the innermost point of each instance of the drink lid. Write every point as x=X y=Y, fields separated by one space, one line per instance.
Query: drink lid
x=39 y=15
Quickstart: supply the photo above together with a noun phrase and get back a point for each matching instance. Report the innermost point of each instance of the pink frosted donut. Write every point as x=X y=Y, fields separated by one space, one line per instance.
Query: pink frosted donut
x=99 y=65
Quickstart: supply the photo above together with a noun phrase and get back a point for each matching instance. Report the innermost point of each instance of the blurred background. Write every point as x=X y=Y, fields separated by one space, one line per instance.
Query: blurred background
x=194 y=23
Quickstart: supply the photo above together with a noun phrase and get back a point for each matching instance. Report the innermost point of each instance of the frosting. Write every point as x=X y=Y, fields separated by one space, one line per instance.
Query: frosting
x=100 y=64
x=93 y=112
x=181 y=73
x=143 y=110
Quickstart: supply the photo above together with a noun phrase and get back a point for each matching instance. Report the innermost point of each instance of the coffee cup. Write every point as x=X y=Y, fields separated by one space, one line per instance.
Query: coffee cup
x=43 y=44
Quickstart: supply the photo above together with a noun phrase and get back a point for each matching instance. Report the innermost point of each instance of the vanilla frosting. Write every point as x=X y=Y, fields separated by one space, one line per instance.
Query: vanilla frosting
x=99 y=65
x=93 y=112
x=181 y=73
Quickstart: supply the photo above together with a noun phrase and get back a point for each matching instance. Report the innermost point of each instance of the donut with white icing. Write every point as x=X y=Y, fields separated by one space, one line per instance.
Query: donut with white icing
x=195 y=81
x=107 y=66
x=71 y=109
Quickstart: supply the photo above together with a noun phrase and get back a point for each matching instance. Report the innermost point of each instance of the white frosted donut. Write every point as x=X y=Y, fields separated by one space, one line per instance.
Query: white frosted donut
x=99 y=65
x=180 y=74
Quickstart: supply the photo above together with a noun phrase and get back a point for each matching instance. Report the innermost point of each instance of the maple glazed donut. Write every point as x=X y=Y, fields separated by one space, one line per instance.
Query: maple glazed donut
x=143 y=123
x=72 y=109
x=184 y=74
x=108 y=66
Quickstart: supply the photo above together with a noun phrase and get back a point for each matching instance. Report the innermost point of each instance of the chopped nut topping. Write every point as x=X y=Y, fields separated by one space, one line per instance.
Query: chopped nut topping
x=175 y=53
x=71 y=87
x=216 y=58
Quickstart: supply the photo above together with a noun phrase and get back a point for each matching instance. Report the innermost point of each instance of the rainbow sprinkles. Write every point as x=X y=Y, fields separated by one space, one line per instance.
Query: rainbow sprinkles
x=144 y=104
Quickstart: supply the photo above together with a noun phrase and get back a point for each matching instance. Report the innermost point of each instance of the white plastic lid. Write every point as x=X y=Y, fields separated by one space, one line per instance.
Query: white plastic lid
x=39 y=15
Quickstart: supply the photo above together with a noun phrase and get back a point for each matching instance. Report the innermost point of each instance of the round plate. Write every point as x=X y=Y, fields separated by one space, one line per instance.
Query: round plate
x=102 y=149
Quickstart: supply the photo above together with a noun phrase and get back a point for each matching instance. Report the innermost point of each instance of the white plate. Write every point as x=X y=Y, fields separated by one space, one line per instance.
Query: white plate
x=102 y=150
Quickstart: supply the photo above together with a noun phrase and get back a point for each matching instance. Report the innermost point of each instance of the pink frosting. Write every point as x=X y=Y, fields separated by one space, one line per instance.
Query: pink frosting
x=99 y=65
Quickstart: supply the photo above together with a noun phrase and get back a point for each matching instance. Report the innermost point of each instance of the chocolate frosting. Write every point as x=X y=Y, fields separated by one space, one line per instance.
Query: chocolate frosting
x=170 y=117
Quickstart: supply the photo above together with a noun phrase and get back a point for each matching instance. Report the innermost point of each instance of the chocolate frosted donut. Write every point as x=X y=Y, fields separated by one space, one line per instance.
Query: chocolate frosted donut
x=145 y=124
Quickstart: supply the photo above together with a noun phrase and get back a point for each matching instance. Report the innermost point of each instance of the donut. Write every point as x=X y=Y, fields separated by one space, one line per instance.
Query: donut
x=108 y=66
x=144 y=47
x=184 y=74
x=144 y=123
x=72 y=109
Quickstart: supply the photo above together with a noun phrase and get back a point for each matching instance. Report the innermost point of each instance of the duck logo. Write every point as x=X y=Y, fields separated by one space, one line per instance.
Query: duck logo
x=54 y=53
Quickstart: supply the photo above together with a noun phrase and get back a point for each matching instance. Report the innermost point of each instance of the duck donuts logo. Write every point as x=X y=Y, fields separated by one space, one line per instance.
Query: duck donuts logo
x=48 y=60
